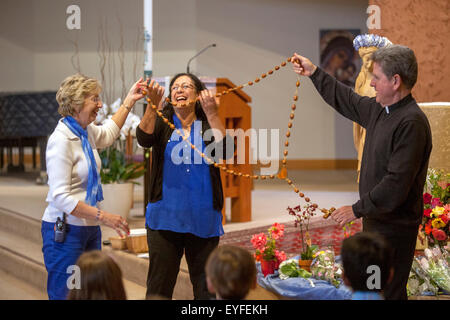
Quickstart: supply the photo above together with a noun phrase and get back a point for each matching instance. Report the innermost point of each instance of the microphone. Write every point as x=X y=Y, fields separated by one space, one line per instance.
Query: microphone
x=199 y=53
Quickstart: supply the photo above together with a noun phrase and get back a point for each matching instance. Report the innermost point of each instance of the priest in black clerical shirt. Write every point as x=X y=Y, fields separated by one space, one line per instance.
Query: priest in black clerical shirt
x=396 y=152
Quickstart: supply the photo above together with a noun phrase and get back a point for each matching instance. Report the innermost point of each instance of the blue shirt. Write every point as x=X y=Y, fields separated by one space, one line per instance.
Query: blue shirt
x=187 y=202
x=367 y=295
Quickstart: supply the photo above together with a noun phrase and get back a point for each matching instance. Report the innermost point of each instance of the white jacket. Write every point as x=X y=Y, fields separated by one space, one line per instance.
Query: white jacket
x=67 y=169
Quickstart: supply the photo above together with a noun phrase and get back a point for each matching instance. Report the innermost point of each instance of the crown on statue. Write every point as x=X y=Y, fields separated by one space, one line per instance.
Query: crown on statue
x=370 y=40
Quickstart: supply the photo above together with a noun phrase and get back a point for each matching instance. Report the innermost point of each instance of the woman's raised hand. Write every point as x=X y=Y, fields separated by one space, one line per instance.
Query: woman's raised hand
x=155 y=92
x=135 y=93
x=208 y=102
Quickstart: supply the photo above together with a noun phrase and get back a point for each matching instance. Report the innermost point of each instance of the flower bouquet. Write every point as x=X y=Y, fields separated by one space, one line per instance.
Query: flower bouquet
x=431 y=272
x=325 y=268
x=266 y=252
x=302 y=219
x=436 y=213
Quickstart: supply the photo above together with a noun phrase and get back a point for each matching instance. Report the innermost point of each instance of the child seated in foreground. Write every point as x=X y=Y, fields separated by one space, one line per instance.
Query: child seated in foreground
x=367 y=263
x=230 y=272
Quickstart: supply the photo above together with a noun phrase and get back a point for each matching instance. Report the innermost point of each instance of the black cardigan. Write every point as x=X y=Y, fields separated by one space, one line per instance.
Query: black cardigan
x=158 y=140
x=395 y=157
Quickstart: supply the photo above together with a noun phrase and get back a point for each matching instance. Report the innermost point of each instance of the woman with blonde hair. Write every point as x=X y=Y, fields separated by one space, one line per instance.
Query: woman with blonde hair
x=71 y=221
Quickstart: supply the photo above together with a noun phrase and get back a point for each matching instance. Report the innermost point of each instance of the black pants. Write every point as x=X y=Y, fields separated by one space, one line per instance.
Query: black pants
x=166 y=249
x=403 y=243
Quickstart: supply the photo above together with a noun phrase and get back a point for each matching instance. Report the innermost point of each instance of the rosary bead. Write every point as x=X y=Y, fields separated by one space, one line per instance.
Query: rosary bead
x=301 y=194
x=291 y=116
x=154 y=107
x=288 y=134
x=240 y=87
x=296 y=190
x=148 y=100
x=255 y=177
x=284 y=161
x=263 y=75
x=314 y=205
x=295 y=98
x=263 y=177
x=285 y=153
x=144 y=92
x=286 y=143
x=257 y=80
x=271 y=176
x=166 y=120
x=307 y=199
x=289 y=59
x=270 y=72
x=277 y=68
x=250 y=83
x=168 y=99
x=297 y=84
x=283 y=64
x=293 y=107
x=290 y=125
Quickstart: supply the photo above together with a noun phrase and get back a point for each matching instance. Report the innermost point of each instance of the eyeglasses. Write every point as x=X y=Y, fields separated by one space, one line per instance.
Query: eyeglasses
x=96 y=99
x=184 y=86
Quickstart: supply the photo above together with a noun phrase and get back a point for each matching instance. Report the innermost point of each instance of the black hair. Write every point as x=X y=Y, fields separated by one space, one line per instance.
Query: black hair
x=199 y=86
x=361 y=251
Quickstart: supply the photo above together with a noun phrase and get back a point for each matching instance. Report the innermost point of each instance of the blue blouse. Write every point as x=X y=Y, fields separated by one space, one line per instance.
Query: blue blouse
x=187 y=202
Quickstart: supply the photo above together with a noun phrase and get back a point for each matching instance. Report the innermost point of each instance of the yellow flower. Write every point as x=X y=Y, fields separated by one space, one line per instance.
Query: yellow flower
x=437 y=211
x=438 y=223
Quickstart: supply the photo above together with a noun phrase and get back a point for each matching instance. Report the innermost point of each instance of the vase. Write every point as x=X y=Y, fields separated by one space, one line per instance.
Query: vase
x=118 y=198
x=267 y=267
x=305 y=264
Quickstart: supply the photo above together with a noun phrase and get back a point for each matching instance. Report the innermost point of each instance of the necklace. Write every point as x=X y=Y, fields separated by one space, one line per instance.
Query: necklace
x=282 y=174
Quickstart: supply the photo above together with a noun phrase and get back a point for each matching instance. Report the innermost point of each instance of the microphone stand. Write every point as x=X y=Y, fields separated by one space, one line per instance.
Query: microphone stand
x=199 y=53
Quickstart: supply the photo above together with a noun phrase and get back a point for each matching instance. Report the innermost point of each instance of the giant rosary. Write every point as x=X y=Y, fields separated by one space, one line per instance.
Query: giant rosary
x=282 y=174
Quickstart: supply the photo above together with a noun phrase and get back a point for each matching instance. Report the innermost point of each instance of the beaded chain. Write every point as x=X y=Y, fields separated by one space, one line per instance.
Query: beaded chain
x=282 y=175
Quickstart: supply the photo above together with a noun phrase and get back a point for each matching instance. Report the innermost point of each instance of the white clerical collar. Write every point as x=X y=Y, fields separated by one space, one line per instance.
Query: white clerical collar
x=387 y=109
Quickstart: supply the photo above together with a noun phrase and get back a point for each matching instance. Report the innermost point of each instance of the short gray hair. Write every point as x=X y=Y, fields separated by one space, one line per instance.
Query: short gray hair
x=397 y=59
x=72 y=92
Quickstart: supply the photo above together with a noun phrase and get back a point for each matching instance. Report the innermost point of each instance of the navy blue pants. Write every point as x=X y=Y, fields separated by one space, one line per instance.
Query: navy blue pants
x=59 y=256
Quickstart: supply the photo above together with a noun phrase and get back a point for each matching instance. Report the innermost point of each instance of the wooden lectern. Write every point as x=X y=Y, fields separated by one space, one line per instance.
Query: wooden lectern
x=235 y=113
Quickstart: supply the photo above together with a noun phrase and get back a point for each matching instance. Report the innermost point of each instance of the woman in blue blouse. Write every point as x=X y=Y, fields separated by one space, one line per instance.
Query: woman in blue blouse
x=186 y=197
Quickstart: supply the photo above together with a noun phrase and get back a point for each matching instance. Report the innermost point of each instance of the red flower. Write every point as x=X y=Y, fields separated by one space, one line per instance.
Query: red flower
x=259 y=241
x=427 y=212
x=428 y=227
x=445 y=218
x=277 y=231
x=436 y=202
x=439 y=235
x=427 y=198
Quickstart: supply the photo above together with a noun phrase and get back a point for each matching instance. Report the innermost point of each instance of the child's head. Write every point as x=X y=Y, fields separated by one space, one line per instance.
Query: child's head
x=101 y=278
x=366 y=256
x=230 y=272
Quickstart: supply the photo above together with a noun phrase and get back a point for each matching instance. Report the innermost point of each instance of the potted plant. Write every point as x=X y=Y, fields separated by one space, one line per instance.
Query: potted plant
x=302 y=219
x=266 y=252
x=118 y=173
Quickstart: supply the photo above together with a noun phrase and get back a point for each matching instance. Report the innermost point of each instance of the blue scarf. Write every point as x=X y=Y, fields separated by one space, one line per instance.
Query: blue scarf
x=94 y=188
